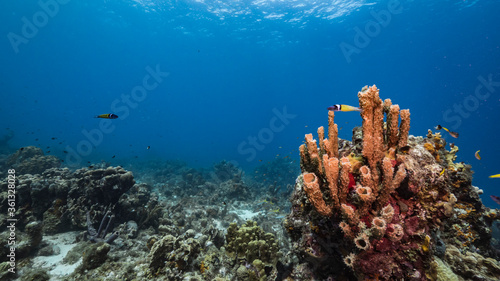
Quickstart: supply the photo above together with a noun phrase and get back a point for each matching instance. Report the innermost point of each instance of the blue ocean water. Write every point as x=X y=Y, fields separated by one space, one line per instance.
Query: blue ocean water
x=202 y=81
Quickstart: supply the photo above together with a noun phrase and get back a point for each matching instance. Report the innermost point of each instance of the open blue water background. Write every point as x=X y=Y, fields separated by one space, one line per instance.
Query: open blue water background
x=235 y=67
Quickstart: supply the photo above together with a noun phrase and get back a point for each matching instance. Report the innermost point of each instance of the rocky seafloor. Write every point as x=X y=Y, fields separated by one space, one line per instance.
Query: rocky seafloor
x=167 y=221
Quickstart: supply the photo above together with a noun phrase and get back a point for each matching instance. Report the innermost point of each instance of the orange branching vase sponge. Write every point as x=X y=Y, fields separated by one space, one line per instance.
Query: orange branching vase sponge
x=371 y=208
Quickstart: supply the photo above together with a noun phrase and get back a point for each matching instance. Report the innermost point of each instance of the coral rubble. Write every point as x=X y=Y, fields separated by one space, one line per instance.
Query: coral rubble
x=384 y=209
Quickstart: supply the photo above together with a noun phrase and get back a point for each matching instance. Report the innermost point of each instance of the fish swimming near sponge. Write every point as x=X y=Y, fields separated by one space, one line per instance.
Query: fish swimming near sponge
x=453 y=134
x=343 y=107
x=495 y=198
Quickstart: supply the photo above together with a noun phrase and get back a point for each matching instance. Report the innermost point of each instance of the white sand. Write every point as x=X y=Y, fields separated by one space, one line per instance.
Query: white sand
x=54 y=264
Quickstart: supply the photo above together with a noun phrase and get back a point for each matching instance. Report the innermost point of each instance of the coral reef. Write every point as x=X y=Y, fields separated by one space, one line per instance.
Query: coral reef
x=250 y=242
x=173 y=223
x=61 y=198
x=30 y=160
x=382 y=205
x=255 y=248
x=171 y=256
x=104 y=228
x=94 y=256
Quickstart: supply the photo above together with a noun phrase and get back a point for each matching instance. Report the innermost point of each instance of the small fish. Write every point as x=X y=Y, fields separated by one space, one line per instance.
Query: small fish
x=442 y=172
x=90 y=167
x=22 y=148
x=148 y=147
x=107 y=116
x=404 y=149
x=495 y=176
x=54 y=138
x=113 y=156
x=36 y=139
x=453 y=134
x=477 y=155
x=495 y=198
x=260 y=203
x=343 y=107
x=47 y=151
x=64 y=151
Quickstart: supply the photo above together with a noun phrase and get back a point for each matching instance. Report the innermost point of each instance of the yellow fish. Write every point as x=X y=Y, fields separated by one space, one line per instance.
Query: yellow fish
x=343 y=107
x=477 y=155
x=495 y=176
x=453 y=134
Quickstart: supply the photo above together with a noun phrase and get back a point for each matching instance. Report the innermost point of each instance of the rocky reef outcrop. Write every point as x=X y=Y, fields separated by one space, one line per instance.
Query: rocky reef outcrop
x=386 y=206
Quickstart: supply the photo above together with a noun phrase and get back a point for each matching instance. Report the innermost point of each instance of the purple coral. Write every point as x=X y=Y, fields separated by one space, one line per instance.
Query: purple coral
x=100 y=235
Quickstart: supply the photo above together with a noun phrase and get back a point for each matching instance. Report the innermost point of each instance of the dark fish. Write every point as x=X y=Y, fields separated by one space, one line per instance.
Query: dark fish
x=91 y=166
x=64 y=151
x=21 y=148
x=47 y=151
x=107 y=116
x=404 y=149
x=54 y=138
x=148 y=147
x=495 y=198
x=113 y=156
x=36 y=139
